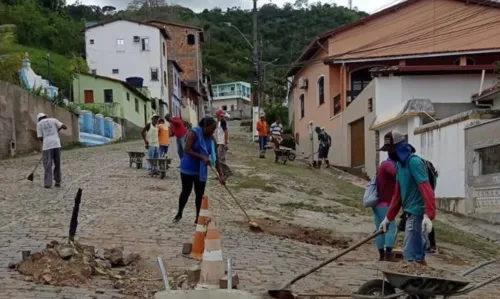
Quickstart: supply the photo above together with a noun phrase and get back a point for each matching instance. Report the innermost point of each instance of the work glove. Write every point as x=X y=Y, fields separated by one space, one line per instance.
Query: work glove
x=426 y=225
x=384 y=225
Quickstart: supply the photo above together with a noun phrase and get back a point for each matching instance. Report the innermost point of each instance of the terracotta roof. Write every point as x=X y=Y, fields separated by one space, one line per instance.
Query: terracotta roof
x=202 y=34
x=124 y=83
x=162 y=30
x=487 y=92
x=313 y=47
x=433 y=69
x=176 y=64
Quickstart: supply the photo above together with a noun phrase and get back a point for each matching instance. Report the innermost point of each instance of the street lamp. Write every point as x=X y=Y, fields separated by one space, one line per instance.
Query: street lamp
x=238 y=29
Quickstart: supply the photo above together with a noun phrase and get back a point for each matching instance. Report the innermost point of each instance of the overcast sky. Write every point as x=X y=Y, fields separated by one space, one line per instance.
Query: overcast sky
x=198 y=5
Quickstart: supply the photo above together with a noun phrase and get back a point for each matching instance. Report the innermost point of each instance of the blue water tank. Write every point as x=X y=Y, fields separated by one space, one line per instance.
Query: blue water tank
x=81 y=122
x=108 y=127
x=136 y=82
x=99 y=120
x=88 y=122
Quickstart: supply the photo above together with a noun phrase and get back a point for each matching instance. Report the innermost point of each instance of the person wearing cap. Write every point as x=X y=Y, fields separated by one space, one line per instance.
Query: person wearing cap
x=262 y=129
x=386 y=182
x=47 y=130
x=413 y=193
x=222 y=141
x=163 y=138
x=325 y=142
x=178 y=129
x=151 y=140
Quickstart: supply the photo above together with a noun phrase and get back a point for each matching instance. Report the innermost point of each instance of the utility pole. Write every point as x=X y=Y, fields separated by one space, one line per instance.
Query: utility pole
x=256 y=68
x=350 y=4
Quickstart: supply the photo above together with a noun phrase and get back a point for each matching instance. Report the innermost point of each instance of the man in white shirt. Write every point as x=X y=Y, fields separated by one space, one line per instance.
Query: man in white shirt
x=277 y=135
x=48 y=132
x=222 y=138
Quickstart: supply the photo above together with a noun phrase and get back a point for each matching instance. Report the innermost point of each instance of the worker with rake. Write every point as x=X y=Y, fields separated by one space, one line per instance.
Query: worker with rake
x=47 y=131
x=414 y=194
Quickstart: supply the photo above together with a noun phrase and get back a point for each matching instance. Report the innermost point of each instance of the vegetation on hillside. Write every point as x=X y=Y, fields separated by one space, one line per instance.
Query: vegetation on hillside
x=51 y=26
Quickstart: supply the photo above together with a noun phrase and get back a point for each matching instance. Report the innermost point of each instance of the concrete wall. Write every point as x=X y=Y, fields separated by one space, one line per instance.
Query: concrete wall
x=18 y=110
x=103 y=55
x=483 y=191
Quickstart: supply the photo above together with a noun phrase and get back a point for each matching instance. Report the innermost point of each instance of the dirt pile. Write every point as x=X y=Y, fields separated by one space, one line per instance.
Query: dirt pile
x=314 y=236
x=71 y=264
x=416 y=269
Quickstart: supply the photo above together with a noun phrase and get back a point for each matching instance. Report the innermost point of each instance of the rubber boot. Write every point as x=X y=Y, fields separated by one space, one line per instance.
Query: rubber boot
x=319 y=164
x=314 y=164
x=327 y=163
x=381 y=255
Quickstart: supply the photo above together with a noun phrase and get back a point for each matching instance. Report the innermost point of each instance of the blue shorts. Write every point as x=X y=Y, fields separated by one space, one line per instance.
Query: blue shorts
x=323 y=153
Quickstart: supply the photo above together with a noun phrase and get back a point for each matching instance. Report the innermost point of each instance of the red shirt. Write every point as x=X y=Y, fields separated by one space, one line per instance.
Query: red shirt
x=177 y=127
x=386 y=182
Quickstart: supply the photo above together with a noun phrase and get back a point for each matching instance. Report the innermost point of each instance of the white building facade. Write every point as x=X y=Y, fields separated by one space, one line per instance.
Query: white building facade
x=121 y=49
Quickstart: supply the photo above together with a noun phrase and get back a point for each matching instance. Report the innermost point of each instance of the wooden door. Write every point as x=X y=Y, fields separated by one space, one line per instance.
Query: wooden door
x=89 y=96
x=358 y=143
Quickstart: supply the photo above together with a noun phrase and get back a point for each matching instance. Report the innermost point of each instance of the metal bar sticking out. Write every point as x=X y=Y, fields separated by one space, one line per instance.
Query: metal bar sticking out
x=164 y=274
x=229 y=273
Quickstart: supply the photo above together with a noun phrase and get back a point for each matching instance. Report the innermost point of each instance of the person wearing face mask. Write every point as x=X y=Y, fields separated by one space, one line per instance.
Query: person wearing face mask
x=413 y=193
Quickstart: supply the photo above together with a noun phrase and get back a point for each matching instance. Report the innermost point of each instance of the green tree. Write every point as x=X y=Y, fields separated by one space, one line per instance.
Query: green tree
x=10 y=63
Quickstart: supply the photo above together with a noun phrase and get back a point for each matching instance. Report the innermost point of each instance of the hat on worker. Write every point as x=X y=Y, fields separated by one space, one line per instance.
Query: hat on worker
x=390 y=139
x=154 y=115
x=220 y=113
x=40 y=115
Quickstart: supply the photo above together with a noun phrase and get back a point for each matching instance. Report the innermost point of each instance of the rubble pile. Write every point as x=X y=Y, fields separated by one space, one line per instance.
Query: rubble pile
x=72 y=264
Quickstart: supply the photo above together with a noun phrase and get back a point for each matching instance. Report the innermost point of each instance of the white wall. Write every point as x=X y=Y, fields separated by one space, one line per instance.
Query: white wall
x=445 y=148
x=104 y=56
x=388 y=92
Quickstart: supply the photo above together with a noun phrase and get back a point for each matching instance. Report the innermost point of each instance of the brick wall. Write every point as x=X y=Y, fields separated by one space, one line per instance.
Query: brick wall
x=18 y=110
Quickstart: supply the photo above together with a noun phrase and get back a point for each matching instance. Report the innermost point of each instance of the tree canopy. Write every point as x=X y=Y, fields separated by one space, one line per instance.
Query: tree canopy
x=54 y=26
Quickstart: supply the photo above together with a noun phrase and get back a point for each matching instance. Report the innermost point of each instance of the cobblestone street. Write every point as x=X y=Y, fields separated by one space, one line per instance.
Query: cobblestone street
x=122 y=206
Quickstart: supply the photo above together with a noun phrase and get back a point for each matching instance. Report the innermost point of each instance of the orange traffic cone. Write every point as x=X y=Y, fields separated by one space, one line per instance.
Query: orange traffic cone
x=212 y=266
x=201 y=229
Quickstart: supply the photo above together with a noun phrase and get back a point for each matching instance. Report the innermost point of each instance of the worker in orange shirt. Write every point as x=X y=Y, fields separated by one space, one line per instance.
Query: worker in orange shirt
x=163 y=138
x=262 y=129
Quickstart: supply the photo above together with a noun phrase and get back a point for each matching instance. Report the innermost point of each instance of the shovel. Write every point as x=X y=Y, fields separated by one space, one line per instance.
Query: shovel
x=32 y=174
x=285 y=293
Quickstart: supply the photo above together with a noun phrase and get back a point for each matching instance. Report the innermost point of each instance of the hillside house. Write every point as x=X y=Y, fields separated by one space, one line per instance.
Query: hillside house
x=121 y=49
x=234 y=98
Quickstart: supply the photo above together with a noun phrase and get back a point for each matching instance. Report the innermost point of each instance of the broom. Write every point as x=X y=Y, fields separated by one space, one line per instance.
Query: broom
x=32 y=174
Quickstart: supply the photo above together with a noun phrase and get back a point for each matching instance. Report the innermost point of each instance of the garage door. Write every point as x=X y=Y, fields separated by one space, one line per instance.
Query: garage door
x=358 y=143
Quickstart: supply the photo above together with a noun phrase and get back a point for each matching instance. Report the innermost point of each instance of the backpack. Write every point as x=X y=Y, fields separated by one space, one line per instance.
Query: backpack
x=431 y=172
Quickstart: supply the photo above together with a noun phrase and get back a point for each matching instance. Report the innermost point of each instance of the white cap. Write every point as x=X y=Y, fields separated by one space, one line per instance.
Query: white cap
x=40 y=115
x=154 y=115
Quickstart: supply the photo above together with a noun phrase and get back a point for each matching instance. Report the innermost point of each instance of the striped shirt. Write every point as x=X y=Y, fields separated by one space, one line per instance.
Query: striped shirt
x=276 y=129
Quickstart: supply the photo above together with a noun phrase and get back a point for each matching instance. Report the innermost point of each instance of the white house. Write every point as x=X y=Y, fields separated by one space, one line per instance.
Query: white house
x=123 y=48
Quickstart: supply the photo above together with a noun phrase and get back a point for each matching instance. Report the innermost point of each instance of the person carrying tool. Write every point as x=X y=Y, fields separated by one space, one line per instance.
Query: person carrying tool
x=413 y=193
x=195 y=163
x=222 y=142
x=150 y=135
x=178 y=129
x=277 y=137
x=163 y=138
x=325 y=142
x=262 y=129
x=386 y=182
x=47 y=131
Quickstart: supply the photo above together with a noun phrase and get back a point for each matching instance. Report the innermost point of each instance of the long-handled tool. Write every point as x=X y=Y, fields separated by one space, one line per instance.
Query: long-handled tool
x=285 y=293
x=253 y=225
x=32 y=174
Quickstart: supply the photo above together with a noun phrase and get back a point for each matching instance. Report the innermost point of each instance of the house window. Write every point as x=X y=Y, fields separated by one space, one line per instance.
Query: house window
x=337 y=105
x=91 y=41
x=120 y=44
x=224 y=107
x=145 y=44
x=232 y=107
x=370 y=105
x=154 y=74
x=94 y=72
x=321 y=91
x=302 y=106
x=489 y=159
x=115 y=71
x=165 y=78
x=128 y=96
x=136 y=105
x=164 y=49
x=108 y=96
x=191 y=40
x=359 y=80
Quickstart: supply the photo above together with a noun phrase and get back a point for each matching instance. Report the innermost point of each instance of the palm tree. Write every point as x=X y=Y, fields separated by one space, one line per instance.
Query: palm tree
x=10 y=63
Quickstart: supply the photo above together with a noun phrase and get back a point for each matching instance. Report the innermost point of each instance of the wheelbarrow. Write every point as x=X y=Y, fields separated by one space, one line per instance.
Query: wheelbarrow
x=136 y=157
x=284 y=154
x=399 y=285
x=159 y=166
